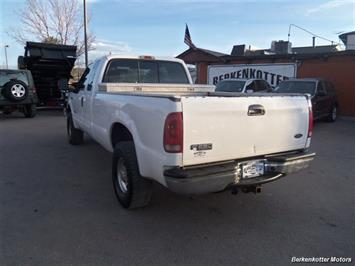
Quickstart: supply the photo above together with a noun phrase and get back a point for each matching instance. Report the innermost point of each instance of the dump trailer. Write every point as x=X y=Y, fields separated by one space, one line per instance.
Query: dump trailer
x=50 y=64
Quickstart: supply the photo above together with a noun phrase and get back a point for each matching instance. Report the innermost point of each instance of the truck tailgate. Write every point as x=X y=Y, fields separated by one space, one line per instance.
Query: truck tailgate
x=224 y=128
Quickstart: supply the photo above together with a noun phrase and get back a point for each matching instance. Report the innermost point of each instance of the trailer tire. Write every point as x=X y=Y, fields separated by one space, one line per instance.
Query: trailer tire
x=21 y=62
x=132 y=190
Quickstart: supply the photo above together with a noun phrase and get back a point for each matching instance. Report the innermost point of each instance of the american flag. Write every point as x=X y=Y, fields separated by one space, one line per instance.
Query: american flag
x=187 y=38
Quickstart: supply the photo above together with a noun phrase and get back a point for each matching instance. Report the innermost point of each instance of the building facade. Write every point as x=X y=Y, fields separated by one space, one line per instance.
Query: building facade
x=335 y=66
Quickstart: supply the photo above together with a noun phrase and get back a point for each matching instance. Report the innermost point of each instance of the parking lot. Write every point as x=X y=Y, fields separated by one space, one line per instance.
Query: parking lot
x=57 y=206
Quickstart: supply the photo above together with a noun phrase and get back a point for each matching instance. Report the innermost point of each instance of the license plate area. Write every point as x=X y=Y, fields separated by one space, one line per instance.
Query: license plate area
x=252 y=169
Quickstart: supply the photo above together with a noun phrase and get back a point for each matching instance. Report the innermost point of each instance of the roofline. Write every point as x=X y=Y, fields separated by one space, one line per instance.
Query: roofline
x=162 y=58
x=343 y=36
x=220 y=58
x=315 y=47
x=289 y=56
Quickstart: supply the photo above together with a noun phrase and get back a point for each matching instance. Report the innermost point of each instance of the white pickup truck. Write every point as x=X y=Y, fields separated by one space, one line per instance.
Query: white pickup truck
x=189 y=138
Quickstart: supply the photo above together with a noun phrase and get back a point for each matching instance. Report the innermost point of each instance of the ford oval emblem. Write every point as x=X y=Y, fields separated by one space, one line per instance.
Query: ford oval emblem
x=297 y=136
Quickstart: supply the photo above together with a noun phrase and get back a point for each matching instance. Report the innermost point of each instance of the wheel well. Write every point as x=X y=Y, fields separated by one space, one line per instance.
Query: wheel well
x=120 y=133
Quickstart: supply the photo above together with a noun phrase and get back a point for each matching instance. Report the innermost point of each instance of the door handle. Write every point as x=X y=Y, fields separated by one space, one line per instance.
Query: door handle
x=256 y=109
x=82 y=101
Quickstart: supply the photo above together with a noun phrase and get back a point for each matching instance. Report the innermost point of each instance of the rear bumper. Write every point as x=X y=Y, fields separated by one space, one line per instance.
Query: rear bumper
x=205 y=179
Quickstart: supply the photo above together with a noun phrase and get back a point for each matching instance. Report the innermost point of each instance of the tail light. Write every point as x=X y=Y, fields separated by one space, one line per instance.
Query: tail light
x=310 y=119
x=173 y=133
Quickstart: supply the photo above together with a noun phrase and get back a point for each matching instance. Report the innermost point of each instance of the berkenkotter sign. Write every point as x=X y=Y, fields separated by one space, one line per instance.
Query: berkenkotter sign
x=273 y=73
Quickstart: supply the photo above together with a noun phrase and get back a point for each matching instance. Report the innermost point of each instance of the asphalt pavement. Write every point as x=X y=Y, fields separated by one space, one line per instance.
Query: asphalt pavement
x=57 y=207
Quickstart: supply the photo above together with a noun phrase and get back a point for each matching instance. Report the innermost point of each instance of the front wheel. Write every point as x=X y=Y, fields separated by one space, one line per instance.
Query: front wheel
x=131 y=189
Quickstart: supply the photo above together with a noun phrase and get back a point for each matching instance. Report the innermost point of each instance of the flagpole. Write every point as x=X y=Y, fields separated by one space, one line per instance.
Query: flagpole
x=85 y=35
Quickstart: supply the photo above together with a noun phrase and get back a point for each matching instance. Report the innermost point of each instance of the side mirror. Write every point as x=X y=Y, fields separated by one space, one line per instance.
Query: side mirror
x=75 y=87
x=249 y=91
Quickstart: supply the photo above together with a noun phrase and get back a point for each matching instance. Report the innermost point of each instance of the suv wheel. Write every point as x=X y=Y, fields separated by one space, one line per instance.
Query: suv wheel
x=132 y=190
x=30 y=110
x=333 y=114
x=75 y=136
x=15 y=90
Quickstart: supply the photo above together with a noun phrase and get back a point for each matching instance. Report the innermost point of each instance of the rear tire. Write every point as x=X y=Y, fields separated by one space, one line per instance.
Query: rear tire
x=30 y=110
x=75 y=136
x=333 y=114
x=132 y=190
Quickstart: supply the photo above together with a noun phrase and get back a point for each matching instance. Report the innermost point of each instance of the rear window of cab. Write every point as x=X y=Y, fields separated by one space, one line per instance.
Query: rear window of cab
x=145 y=71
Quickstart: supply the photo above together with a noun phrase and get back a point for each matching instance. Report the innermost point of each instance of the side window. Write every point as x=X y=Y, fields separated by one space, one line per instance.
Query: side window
x=261 y=85
x=267 y=86
x=83 y=77
x=90 y=77
x=251 y=86
x=330 y=88
x=5 y=77
x=122 y=71
x=321 y=88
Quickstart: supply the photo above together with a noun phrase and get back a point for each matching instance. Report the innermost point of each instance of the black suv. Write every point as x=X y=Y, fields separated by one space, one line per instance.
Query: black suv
x=324 y=99
x=17 y=91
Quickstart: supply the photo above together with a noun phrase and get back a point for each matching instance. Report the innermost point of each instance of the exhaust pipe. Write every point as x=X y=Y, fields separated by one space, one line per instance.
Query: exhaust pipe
x=257 y=189
x=254 y=189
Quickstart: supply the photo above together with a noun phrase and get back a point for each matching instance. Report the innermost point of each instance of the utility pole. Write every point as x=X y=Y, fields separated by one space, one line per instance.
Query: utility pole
x=85 y=35
x=7 y=65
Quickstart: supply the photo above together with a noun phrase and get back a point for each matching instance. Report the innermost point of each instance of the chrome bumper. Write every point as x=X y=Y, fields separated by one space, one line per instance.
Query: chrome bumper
x=205 y=179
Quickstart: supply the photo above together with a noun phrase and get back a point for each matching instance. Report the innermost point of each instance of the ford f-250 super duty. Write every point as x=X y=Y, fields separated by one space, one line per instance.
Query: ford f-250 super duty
x=189 y=138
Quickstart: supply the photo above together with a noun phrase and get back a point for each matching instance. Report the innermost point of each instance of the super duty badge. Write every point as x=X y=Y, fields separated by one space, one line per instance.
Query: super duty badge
x=201 y=147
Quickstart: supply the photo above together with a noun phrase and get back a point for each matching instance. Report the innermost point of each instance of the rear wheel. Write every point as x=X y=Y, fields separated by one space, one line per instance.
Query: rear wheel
x=75 y=136
x=333 y=114
x=132 y=190
x=30 y=110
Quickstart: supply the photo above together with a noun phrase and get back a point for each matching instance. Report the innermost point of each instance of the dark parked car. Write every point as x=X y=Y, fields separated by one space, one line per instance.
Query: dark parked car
x=17 y=91
x=243 y=85
x=324 y=99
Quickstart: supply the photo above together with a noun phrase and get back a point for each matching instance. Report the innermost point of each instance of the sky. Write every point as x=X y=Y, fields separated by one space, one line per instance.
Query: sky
x=157 y=27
